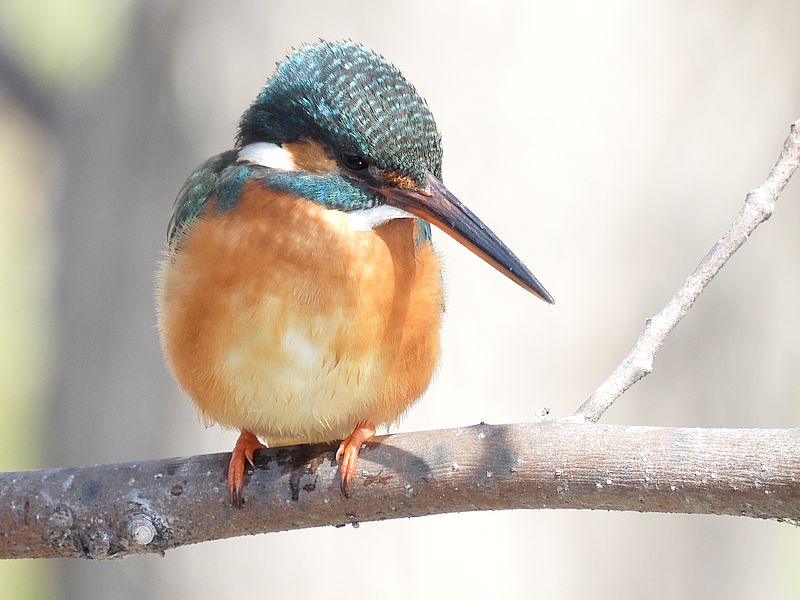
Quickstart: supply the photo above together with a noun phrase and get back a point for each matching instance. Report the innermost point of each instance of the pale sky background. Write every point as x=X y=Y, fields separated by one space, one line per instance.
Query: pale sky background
x=609 y=144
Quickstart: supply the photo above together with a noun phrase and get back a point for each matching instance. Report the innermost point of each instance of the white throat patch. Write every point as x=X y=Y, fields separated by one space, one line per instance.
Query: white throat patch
x=267 y=154
x=369 y=218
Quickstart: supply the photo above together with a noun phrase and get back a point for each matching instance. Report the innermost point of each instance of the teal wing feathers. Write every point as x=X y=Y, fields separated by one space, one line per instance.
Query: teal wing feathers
x=199 y=188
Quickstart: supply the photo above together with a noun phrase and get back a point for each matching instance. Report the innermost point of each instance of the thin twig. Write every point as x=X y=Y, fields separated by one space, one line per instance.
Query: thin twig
x=115 y=510
x=758 y=207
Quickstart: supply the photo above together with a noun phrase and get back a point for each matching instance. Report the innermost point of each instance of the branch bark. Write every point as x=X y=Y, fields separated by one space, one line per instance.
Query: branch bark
x=114 y=510
x=758 y=207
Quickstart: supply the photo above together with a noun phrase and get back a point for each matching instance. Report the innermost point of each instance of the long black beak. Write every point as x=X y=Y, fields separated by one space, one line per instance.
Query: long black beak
x=437 y=205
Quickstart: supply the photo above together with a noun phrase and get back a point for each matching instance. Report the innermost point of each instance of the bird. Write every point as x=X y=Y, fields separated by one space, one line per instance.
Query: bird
x=300 y=297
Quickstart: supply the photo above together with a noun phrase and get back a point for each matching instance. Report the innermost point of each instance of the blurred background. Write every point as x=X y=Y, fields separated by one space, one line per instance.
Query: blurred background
x=610 y=144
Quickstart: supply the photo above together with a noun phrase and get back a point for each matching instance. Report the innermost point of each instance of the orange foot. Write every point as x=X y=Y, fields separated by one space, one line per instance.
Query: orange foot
x=347 y=454
x=243 y=450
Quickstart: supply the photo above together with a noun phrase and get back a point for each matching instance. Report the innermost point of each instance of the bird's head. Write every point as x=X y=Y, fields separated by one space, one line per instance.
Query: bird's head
x=349 y=130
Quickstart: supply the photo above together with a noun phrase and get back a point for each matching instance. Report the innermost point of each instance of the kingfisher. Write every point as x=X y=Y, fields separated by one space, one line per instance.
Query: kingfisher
x=300 y=299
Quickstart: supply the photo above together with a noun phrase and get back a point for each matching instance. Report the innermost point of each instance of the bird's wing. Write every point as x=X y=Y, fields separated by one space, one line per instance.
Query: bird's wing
x=196 y=192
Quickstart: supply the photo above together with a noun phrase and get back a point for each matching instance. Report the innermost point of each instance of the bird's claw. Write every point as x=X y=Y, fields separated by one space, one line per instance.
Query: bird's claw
x=347 y=454
x=243 y=451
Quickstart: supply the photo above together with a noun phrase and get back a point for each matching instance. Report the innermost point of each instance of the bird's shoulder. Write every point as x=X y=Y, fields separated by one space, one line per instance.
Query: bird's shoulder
x=221 y=179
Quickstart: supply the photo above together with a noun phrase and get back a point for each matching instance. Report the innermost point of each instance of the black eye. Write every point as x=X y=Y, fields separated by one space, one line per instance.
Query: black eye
x=353 y=161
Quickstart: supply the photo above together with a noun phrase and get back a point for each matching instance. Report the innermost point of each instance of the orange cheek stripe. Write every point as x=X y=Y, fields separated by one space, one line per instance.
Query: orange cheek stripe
x=311 y=156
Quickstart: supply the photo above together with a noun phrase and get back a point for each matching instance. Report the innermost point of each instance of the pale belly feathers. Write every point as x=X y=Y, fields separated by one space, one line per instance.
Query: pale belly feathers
x=280 y=319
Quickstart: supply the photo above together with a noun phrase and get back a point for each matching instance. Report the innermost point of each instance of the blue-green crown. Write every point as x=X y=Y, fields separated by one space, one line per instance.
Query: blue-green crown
x=347 y=98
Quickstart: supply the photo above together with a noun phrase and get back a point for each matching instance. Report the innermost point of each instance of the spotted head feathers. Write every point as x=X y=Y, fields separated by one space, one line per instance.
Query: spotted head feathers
x=354 y=102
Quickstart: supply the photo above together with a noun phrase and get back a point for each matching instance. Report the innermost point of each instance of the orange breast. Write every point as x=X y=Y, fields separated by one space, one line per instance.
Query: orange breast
x=278 y=318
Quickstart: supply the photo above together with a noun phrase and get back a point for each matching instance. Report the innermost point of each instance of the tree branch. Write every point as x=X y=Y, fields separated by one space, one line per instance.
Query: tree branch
x=114 y=510
x=758 y=207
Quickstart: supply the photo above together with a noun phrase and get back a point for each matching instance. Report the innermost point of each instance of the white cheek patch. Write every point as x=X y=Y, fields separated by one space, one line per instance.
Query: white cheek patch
x=267 y=154
x=369 y=218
